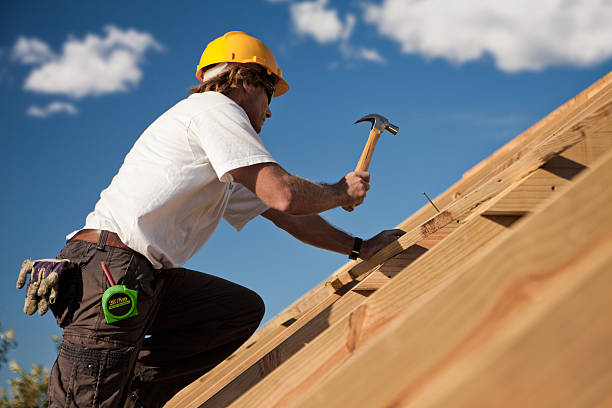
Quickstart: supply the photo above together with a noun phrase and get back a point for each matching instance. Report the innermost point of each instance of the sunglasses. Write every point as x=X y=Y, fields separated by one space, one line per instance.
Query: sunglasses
x=269 y=89
x=268 y=82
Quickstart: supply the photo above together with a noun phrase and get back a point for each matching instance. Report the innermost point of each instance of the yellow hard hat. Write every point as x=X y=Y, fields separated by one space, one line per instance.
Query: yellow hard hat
x=237 y=46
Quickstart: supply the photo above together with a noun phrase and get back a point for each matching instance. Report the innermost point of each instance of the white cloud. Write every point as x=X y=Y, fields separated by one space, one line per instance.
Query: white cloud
x=31 y=51
x=519 y=35
x=370 y=55
x=314 y=19
x=348 y=27
x=94 y=65
x=52 y=108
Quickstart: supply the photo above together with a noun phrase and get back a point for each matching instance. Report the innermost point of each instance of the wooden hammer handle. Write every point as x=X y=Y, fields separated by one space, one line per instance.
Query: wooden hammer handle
x=366 y=156
x=368 y=151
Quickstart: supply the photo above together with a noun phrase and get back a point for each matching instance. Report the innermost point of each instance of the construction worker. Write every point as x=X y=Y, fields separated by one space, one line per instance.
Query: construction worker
x=200 y=161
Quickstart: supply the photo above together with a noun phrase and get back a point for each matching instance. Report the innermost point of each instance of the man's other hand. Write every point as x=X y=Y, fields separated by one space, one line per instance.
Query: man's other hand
x=378 y=242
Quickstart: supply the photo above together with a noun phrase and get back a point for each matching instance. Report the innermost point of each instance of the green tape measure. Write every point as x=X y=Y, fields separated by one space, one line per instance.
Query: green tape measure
x=118 y=302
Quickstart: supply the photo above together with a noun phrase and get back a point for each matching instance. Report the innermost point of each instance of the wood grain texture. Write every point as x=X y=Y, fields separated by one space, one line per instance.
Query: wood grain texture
x=374 y=282
x=334 y=346
x=276 y=342
x=499 y=296
x=532 y=158
x=485 y=170
x=506 y=155
x=210 y=383
x=557 y=354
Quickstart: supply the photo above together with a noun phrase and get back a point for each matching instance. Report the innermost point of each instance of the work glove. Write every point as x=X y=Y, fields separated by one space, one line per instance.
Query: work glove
x=44 y=279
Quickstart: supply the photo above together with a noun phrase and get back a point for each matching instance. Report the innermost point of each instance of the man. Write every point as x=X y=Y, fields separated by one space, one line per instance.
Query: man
x=200 y=161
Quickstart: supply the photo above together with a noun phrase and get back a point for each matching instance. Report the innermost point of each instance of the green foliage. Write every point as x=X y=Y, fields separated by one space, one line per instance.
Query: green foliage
x=7 y=342
x=29 y=390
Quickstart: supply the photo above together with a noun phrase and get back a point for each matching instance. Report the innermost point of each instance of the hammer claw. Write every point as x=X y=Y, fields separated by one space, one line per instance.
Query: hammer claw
x=379 y=125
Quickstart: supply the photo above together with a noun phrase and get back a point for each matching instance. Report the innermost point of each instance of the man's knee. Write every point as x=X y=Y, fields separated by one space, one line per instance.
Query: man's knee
x=255 y=304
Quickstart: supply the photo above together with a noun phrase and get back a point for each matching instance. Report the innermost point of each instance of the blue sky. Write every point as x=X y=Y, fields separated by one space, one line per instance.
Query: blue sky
x=80 y=81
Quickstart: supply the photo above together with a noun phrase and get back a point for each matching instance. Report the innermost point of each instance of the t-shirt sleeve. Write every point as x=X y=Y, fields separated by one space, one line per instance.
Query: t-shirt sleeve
x=228 y=139
x=243 y=206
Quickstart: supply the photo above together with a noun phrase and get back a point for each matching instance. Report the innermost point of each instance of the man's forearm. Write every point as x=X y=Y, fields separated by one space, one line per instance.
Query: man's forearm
x=297 y=196
x=307 y=197
x=312 y=230
x=315 y=231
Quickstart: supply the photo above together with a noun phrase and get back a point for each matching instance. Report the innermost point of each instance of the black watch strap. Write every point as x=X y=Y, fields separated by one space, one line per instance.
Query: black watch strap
x=356 y=248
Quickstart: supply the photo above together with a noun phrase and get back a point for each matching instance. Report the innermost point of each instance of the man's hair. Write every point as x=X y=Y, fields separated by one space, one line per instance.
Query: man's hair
x=234 y=76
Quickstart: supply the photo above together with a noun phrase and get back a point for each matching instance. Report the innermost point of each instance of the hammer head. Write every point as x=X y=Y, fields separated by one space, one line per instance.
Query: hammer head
x=379 y=122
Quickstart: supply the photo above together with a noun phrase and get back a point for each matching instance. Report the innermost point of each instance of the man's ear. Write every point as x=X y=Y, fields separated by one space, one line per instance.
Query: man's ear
x=248 y=88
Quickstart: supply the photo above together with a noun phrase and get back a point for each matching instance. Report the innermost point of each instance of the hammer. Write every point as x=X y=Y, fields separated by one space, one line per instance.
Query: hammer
x=379 y=124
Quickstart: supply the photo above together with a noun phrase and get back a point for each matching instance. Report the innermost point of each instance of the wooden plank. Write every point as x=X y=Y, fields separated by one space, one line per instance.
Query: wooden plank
x=488 y=168
x=498 y=161
x=262 y=354
x=337 y=344
x=320 y=294
x=244 y=378
x=559 y=357
x=222 y=385
x=534 y=157
x=393 y=266
x=505 y=155
x=532 y=191
x=560 y=117
x=555 y=174
x=379 y=279
x=210 y=383
x=241 y=379
x=486 y=301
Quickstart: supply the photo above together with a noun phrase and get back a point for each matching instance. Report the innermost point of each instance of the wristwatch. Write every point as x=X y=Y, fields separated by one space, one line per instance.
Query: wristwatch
x=356 y=248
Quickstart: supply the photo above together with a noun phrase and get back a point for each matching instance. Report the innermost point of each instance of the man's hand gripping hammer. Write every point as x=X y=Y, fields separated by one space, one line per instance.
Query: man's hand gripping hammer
x=379 y=124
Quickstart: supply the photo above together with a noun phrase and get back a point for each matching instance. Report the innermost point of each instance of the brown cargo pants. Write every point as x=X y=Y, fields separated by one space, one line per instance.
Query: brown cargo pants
x=187 y=323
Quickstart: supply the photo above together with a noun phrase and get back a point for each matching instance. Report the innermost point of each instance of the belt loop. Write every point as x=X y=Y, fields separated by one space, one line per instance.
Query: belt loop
x=102 y=240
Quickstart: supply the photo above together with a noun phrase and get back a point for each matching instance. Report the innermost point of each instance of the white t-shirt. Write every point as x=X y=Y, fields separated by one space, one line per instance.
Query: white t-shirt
x=174 y=187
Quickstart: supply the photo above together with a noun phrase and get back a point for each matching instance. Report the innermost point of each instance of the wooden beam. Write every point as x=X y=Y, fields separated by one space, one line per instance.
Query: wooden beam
x=555 y=174
x=507 y=154
x=321 y=356
x=393 y=266
x=488 y=168
x=408 y=289
x=378 y=279
x=221 y=387
x=531 y=192
x=299 y=313
x=533 y=157
x=213 y=381
x=495 y=299
x=228 y=385
x=559 y=356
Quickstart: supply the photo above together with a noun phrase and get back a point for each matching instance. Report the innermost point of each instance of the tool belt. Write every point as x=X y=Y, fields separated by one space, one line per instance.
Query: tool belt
x=97 y=237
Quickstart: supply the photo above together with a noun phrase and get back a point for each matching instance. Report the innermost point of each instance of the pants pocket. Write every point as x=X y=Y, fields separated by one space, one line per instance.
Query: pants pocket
x=70 y=286
x=88 y=377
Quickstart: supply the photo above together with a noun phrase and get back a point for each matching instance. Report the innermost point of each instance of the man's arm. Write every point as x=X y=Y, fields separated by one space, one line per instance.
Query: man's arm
x=294 y=195
x=315 y=231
